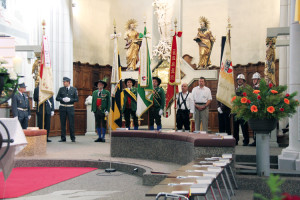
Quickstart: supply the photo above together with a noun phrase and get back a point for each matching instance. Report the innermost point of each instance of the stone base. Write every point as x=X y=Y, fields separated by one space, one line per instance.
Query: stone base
x=287 y=160
x=91 y=133
x=37 y=143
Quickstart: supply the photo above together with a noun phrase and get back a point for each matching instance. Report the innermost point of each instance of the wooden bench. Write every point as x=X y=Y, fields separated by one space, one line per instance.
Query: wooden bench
x=37 y=142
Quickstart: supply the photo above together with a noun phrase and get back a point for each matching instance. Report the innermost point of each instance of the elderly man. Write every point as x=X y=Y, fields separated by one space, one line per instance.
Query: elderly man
x=67 y=96
x=202 y=98
x=185 y=108
x=20 y=106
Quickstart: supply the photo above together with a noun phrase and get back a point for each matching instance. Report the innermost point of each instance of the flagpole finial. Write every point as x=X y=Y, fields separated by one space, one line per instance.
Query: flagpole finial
x=229 y=24
x=44 y=26
x=145 y=20
x=115 y=25
x=175 y=23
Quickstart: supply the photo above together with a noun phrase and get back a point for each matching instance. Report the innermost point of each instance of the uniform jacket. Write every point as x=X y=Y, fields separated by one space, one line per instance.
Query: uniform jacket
x=105 y=100
x=48 y=106
x=18 y=101
x=133 y=98
x=159 y=98
x=72 y=94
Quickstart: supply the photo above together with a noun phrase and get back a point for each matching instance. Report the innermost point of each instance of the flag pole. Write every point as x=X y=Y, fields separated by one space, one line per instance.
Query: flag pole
x=43 y=112
x=175 y=117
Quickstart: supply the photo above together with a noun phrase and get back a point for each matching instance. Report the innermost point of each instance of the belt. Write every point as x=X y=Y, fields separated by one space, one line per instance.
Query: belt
x=23 y=109
x=67 y=105
x=200 y=103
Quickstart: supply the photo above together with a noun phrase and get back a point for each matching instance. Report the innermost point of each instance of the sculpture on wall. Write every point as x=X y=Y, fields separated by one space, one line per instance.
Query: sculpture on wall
x=132 y=44
x=270 y=61
x=205 y=41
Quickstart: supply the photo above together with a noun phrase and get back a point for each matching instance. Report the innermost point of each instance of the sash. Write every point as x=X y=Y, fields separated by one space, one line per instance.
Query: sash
x=130 y=94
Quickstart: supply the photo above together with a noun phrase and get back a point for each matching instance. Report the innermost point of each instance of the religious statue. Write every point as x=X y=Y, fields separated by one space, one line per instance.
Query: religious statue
x=205 y=41
x=270 y=61
x=36 y=68
x=132 y=44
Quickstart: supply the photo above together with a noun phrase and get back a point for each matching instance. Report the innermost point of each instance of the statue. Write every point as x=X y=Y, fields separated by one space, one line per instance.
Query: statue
x=36 y=69
x=205 y=41
x=132 y=44
x=270 y=61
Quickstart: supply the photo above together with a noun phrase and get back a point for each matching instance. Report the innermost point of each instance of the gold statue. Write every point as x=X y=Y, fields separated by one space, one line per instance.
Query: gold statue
x=205 y=41
x=270 y=61
x=36 y=68
x=132 y=44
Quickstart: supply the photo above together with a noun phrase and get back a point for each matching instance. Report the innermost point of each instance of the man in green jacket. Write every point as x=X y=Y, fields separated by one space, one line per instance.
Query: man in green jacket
x=101 y=107
x=159 y=100
x=129 y=106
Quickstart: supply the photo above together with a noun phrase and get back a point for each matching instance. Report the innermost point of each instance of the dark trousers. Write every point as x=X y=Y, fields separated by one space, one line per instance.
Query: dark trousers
x=24 y=122
x=64 y=113
x=153 y=115
x=47 y=122
x=244 y=127
x=183 y=119
x=224 y=123
x=100 y=119
x=127 y=113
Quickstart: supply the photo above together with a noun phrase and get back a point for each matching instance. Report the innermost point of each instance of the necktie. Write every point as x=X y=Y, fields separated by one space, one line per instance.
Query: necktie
x=23 y=96
x=67 y=90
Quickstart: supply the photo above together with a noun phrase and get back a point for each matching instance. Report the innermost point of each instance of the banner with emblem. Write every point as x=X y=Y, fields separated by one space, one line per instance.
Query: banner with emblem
x=46 y=78
x=226 y=89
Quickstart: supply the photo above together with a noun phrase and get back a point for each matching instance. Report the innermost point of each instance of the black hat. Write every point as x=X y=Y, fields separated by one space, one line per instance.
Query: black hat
x=158 y=79
x=22 y=85
x=130 y=79
x=100 y=81
x=66 y=79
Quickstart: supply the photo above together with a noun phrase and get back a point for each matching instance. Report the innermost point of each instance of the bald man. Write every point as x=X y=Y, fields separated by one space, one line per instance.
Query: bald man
x=185 y=108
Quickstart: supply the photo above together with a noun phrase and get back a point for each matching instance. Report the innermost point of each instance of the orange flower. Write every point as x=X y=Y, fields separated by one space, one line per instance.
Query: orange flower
x=271 y=109
x=233 y=98
x=244 y=100
x=256 y=91
x=274 y=92
x=286 y=101
x=254 y=108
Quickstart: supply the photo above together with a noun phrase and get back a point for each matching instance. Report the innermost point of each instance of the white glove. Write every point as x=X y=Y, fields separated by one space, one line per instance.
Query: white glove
x=160 y=112
x=29 y=116
x=220 y=110
x=67 y=99
x=52 y=113
x=64 y=99
x=106 y=113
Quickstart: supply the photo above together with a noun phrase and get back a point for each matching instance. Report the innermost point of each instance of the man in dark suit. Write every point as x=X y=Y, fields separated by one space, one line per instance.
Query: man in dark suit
x=20 y=106
x=67 y=96
x=48 y=112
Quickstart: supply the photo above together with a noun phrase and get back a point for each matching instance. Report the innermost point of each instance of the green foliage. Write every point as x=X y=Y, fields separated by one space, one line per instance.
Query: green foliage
x=274 y=182
x=268 y=102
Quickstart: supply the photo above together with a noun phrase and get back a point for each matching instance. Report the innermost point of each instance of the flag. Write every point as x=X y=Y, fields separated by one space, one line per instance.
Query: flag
x=145 y=87
x=115 y=116
x=297 y=11
x=226 y=89
x=45 y=79
x=174 y=73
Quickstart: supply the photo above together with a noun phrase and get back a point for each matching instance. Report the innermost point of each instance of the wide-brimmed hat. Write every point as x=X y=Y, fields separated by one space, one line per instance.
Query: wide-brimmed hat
x=66 y=79
x=22 y=85
x=100 y=81
x=130 y=79
x=158 y=79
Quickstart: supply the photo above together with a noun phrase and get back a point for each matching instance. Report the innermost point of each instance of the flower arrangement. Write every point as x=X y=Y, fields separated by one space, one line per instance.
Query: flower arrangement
x=267 y=102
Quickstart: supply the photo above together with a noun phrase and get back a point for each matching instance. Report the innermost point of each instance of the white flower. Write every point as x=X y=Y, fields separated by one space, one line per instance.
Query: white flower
x=13 y=75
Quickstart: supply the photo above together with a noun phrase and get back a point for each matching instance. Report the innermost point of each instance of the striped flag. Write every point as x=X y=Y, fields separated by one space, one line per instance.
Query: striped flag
x=115 y=115
x=145 y=87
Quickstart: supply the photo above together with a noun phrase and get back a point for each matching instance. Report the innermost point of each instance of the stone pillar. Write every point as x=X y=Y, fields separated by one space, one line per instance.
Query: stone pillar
x=90 y=118
x=289 y=158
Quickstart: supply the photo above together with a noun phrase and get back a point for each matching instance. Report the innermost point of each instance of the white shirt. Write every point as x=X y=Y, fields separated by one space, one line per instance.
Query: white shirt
x=99 y=91
x=189 y=101
x=201 y=95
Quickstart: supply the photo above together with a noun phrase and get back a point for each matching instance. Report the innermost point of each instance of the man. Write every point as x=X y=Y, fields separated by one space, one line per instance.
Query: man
x=48 y=112
x=67 y=96
x=159 y=100
x=202 y=98
x=129 y=106
x=185 y=108
x=255 y=85
x=20 y=106
x=224 y=118
x=244 y=125
x=100 y=107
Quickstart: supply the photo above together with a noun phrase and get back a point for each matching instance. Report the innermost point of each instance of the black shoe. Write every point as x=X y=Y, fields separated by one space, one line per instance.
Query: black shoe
x=98 y=140
x=49 y=140
x=253 y=144
x=73 y=140
x=62 y=141
x=102 y=140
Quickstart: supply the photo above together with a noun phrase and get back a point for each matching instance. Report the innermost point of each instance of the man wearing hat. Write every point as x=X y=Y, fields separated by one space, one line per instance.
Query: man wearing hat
x=241 y=81
x=101 y=106
x=159 y=100
x=129 y=106
x=67 y=96
x=20 y=106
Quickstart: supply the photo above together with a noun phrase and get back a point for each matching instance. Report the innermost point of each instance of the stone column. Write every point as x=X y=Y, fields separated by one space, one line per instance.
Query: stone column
x=289 y=158
x=90 y=118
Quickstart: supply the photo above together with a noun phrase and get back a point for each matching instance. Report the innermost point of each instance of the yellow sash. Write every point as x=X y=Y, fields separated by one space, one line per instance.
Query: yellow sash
x=131 y=94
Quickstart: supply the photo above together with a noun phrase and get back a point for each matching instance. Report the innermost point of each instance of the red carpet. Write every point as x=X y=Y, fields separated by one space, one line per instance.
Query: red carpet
x=24 y=180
